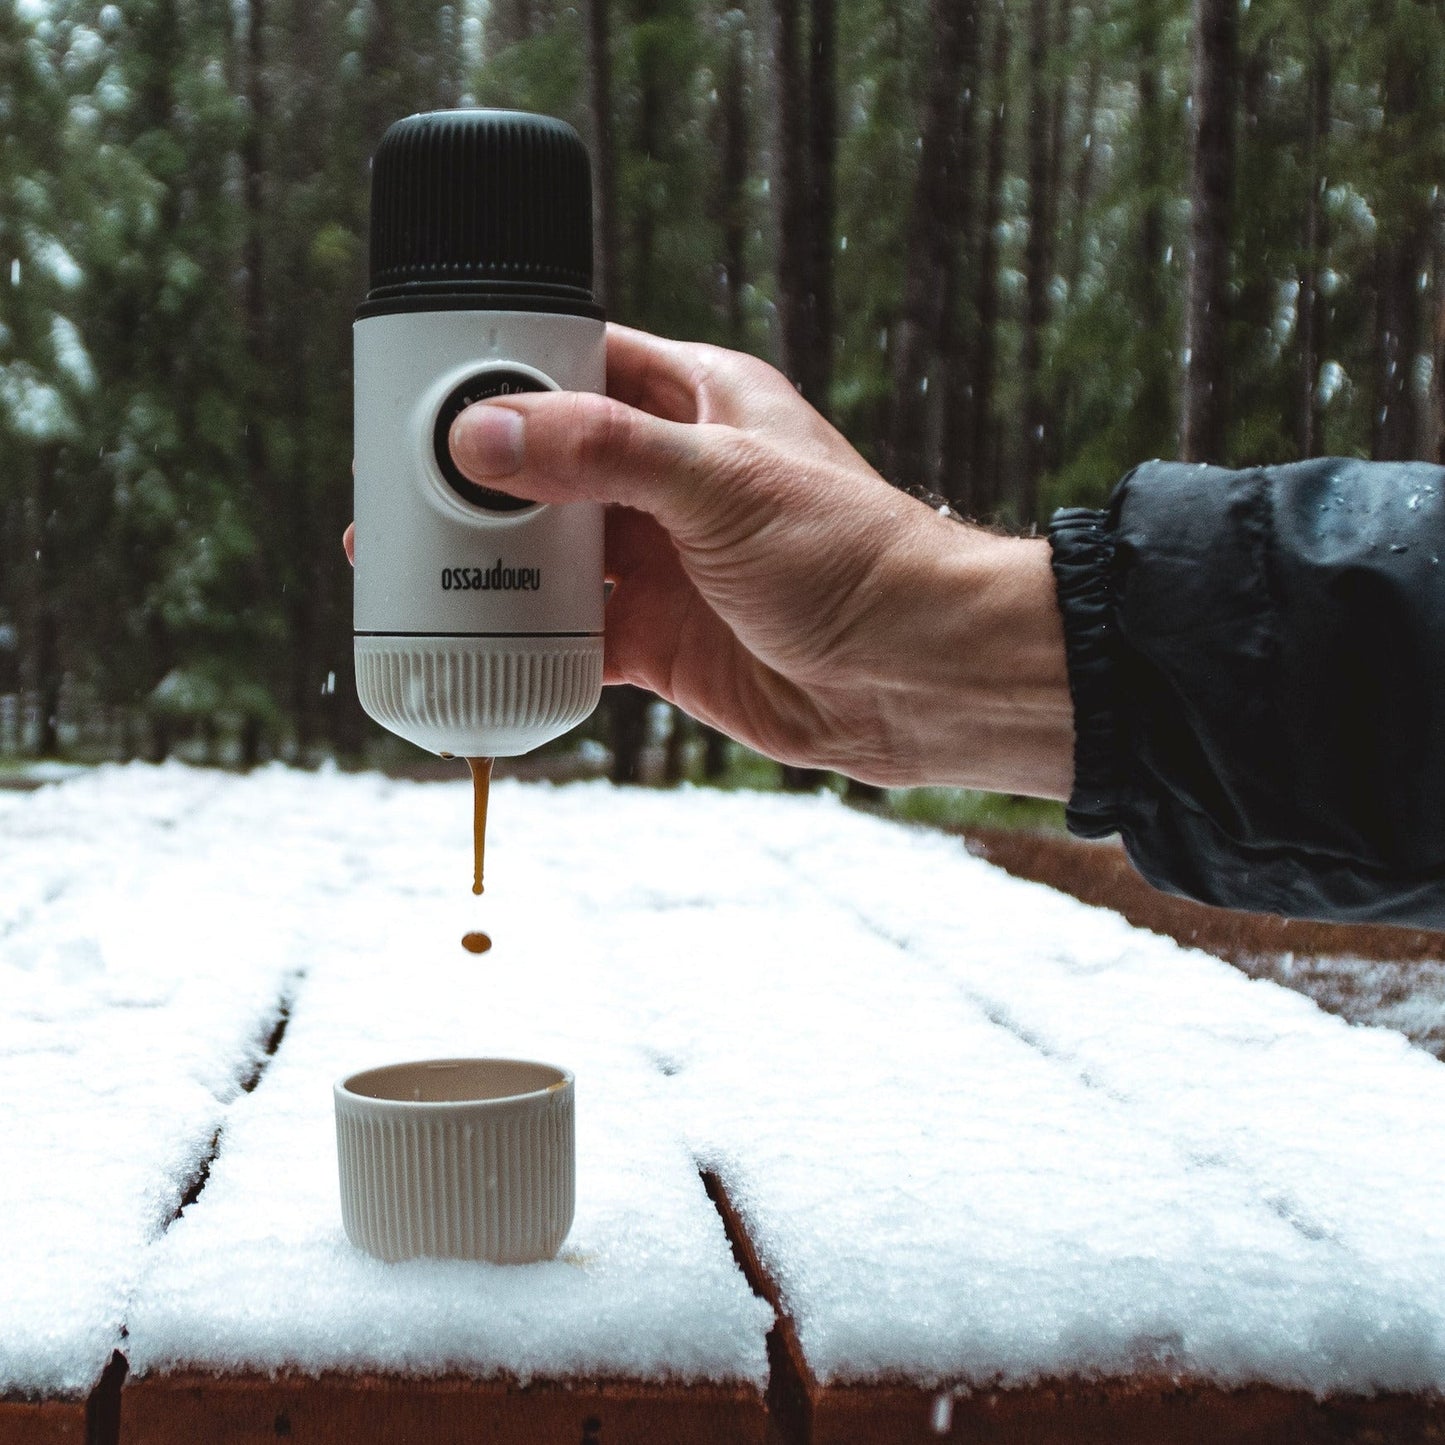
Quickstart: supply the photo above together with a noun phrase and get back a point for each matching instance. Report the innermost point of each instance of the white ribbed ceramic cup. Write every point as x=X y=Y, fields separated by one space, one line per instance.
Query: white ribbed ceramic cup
x=457 y=1159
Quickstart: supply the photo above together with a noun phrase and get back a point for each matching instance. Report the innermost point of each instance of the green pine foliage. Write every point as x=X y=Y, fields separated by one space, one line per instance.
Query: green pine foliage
x=183 y=191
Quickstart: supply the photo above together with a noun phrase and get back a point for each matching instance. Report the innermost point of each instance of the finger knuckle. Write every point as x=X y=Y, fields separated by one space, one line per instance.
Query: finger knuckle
x=754 y=372
x=601 y=431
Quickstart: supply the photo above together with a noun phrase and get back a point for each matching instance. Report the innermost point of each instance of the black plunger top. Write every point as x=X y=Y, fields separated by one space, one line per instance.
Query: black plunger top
x=481 y=208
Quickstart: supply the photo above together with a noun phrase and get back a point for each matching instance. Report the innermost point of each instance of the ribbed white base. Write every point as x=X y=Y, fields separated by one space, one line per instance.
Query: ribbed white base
x=488 y=697
x=492 y=1180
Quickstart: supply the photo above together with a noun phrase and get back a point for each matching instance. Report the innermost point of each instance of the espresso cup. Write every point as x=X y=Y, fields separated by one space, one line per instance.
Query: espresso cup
x=457 y=1159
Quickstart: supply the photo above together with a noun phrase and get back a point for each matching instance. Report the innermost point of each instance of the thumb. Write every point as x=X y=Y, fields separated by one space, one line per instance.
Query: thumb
x=577 y=446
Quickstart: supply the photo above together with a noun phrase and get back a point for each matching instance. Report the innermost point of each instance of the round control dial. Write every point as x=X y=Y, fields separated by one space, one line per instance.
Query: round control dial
x=498 y=381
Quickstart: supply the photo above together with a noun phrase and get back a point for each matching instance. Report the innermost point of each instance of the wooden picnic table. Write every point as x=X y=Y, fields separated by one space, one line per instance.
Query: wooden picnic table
x=875 y=1143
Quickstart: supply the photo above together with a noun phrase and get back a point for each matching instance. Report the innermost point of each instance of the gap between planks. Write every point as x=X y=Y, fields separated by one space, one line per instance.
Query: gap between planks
x=102 y=1406
x=1138 y=1411
x=797 y=1410
x=792 y=1389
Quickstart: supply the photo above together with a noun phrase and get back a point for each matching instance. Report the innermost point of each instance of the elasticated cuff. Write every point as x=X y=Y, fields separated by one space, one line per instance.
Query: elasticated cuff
x=1082 y=546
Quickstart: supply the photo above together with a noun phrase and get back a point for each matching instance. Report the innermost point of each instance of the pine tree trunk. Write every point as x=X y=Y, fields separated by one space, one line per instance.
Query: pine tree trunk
x=1254 y=293
x=651 y=104
x=306 y=403
x=674 y=757
x=957 y=479
x=806 y=161
x=1436 y=452
x=380 y=98
x=931 y=245
x=792 y=196
x=626 y=705
x=1081 y=190
x=1397 y=338
x=301 y=597
x=953 y=478
x=1311 y=310
x=1036 y=267
x=45 y=605
x=714 y=755
x=1397 y=263
x=253 y=169
x=1437 y=390
x=161 y=739
x=1155 y=403
x=1076 y=194
x=604 y=189
x=627 y=719
x=1050 y=415
x=253 y=299
x=733 y=180
x=250 y=742
x=822 y=203
x=1204 y=420
x=985 y=463
x=1060 y=46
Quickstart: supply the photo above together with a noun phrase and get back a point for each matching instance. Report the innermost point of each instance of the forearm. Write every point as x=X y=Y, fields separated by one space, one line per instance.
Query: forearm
x=984 y=699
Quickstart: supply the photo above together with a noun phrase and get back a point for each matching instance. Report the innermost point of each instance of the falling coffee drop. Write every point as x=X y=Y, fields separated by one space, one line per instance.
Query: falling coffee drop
x=481 y=787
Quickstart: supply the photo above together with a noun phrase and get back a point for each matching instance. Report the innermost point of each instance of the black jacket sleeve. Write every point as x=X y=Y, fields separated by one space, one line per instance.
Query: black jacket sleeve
x=1257 y=660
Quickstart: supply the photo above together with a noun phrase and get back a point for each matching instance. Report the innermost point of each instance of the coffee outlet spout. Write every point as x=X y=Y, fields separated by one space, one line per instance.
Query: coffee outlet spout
x=478 y=615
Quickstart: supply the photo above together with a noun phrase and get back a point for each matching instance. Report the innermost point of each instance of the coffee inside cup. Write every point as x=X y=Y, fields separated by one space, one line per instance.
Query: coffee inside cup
x=455 y=1081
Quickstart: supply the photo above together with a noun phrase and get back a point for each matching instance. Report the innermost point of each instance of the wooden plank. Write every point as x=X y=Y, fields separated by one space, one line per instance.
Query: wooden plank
x=1069 y=1412
x=1101 y=874
x=94 y=1420
x=1118 y=1413
x=370 y=1409
x=41 y=1422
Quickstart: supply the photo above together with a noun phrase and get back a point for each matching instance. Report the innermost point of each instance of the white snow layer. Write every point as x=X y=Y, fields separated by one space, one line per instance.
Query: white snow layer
x=978 y=1131
x=142 y=964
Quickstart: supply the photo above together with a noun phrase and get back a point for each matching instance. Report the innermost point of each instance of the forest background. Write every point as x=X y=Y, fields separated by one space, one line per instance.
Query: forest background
x=1009 y=247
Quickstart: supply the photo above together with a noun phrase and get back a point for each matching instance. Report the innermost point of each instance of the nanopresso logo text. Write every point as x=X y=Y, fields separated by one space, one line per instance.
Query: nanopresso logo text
x=496 y=578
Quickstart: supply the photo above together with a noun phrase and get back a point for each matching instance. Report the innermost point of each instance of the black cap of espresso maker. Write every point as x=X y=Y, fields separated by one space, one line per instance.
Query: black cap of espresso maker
x=481 y=208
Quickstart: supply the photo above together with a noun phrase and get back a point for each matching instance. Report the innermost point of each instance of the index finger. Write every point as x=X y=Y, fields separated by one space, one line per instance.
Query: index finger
x=687 y=381
x=651 y=374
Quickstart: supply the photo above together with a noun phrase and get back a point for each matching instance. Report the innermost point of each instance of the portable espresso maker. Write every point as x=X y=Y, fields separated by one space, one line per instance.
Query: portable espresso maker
x=478 y=616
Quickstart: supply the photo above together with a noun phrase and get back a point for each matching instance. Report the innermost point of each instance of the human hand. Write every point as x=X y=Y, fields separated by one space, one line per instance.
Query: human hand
x=770 y=583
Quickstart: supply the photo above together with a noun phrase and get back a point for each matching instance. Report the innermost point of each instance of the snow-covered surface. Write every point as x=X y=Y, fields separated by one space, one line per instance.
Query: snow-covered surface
x=978 y=1131
x=1149 y=1160
x=260 y=1274
x=142 y=964
x=186 y=893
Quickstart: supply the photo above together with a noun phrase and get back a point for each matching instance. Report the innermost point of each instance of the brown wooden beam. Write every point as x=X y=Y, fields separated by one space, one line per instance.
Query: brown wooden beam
x=83 y=1421
x=374 y=1409
x=1100 y=874
x=42 y=1422
x=1119 y=1413
x=1067 y=1412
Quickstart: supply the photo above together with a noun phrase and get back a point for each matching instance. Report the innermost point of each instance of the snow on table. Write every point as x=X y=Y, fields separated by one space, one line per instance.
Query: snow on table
x=982 y=1133
x=259 y=1275
x=143 y=959
x=977 y=1131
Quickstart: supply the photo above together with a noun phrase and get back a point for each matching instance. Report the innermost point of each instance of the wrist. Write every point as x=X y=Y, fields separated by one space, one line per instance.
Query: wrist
x=985 y=701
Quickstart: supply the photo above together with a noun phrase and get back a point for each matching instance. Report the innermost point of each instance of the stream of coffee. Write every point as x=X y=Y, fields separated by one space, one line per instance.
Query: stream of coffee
x=481 y=769
x=481 y=789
